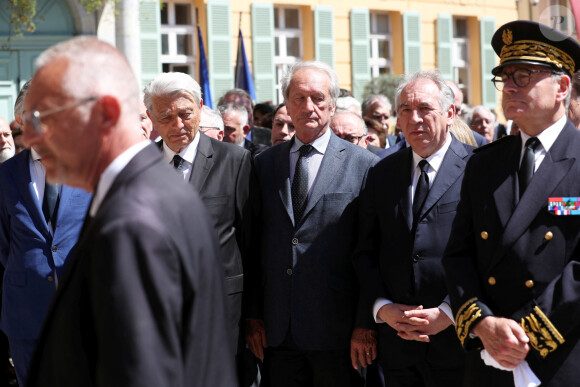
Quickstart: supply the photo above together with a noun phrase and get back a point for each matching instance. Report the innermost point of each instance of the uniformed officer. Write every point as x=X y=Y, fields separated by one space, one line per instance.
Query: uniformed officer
x=512 y=261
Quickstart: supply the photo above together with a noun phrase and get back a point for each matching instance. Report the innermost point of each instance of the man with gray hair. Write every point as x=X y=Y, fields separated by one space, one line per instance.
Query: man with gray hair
x=304 y=301
x=350 y=127
x=377 y=107
x=236 y=127
x=405 y=221
x=221 y=173
x=6 y=141
x=211 y=123
x=481 y=120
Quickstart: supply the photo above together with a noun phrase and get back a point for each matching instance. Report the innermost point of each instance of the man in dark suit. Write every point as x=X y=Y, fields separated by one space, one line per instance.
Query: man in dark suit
x=257 y=134
x=141 y=300
x=221 y=173
x=406 y=211
x=236 y=128
x=350 y=127
x=36 y=238
x=514 y=251
x=304 y=305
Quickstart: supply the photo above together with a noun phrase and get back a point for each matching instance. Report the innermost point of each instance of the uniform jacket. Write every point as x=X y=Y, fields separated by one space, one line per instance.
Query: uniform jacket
x=514 y=258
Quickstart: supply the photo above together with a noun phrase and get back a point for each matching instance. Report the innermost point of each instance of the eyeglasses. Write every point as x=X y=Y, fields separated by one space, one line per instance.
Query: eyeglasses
x=521 y=77
x=381 y=116
x=33 y=117
x=352 y=139
x=208 y=128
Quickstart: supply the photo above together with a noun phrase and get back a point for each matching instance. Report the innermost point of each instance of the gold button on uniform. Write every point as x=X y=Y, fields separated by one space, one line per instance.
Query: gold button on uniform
x=289 y=271
x=484 y=235
x=54 y=249
x=50 y=279
x=549 y=235
x=529 y=284
x=491 y=281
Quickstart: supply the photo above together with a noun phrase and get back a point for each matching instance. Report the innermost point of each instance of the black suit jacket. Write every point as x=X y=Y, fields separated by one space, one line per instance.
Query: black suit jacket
x=513 y=258
x=307 y=279
x=223 y=175
x=403 y=266
x=141 y=301
x=261 y=135
x=254 y=148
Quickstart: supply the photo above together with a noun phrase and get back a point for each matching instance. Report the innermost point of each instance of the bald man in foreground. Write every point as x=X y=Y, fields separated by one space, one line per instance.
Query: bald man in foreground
x=141 y=301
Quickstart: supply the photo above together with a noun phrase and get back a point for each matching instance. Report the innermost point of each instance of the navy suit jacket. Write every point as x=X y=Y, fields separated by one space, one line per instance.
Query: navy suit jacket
x=405 y=267
x=307 y=279
x=141 y=301
x=29 y=253
x=513 y=258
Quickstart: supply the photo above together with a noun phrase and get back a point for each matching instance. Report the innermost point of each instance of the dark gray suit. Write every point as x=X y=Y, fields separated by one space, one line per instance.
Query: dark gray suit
x=404 y=265
x=308 y=282
x=141 y=301
x=222 y=174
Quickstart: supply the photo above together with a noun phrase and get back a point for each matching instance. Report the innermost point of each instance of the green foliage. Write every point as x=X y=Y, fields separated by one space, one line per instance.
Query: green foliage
x=22 y=15
x=385 y=84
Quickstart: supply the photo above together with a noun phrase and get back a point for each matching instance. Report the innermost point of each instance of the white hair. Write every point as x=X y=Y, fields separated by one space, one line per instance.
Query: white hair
x=347 y=103
x=168 y=84
x=312 y=65
x=240 y=110
x=211 y=119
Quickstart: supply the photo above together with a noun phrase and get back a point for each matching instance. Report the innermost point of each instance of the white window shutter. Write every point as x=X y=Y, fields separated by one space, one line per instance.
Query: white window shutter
x=219 y=38
x=488 y=61
x=263 y=51
x=360 y=50
x=412 y=41
x=150 y=21
x=324 y=34
x=445 y=45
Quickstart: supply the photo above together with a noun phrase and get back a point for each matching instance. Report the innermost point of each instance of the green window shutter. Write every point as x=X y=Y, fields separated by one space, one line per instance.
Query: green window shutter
x=444 y=45
x=324 y=34
x=488 y=91
x=412 y=41
x=219 y=38
x=360 y=50
x=150 y=21
x=263 y=51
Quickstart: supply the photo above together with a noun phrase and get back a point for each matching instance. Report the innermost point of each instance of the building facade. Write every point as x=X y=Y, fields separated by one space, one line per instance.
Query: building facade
x=360 y=39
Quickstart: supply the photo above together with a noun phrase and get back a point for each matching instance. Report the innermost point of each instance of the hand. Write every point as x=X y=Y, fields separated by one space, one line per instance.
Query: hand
x=394 y=314
x=256 y=337
x=504 y=339
x=422 y=323
x=363 y=347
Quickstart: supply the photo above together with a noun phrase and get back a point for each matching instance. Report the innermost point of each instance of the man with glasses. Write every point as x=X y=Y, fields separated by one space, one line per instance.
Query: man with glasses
x=513 y=257
x=377 y=107
x=141 y=300
x=406 y=212
x=350 y=127
x=211 y=123
x=39 y=224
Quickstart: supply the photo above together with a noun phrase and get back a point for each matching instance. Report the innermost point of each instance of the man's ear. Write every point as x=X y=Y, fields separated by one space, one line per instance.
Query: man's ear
x=110 y=110
x=220 y=135
x=246 y=130
x=564 y=88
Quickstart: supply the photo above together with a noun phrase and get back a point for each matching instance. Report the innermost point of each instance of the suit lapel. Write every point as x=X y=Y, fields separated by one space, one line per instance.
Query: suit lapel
x=553 y=169
x=332 y=163
x=450 y=170
x=403 y=182
x=283 y=183
x=203 y=162
x=28 y=193
x=505 y=195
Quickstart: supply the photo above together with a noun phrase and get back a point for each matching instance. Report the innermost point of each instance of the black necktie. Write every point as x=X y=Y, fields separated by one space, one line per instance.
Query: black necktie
x=422 y=189
x=178 y=164
x=49 y=203
x=528 y=162
x=300 y=184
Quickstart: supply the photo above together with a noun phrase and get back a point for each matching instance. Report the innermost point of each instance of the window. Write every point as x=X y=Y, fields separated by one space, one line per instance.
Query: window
x=460 y=56
x=177 y=37
x=288 y=42
x=381 y=44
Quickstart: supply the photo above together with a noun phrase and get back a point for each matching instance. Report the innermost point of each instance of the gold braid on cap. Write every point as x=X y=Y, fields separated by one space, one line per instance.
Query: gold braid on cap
x=536 y=51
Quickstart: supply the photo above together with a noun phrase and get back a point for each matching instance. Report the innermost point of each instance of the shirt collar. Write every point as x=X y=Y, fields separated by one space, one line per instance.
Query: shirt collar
x=34 y=154
x=111 y=172
x=548 y=135
x=436 y=158
x=320 y=144
x=187 y=154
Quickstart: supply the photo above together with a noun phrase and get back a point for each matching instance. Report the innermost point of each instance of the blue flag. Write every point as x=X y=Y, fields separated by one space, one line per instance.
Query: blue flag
x=244 y=78
x=203 y=73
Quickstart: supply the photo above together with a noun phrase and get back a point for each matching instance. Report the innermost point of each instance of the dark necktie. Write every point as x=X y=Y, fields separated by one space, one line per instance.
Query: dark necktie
x=49 y=203
x=528 y=162
x=422 y=189
x=300 y=184
x=178 y=164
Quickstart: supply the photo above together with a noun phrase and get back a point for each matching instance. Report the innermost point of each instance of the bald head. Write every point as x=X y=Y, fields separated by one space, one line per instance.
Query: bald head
x=6 y=141
x=88 y=101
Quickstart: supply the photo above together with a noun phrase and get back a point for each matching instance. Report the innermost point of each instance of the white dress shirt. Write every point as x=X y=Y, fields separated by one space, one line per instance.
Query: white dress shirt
x=547 y=138
x=314 y=159
x=187 y=154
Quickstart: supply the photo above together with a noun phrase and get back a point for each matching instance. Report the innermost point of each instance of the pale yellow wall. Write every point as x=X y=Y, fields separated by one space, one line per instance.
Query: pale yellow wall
x=502 y=10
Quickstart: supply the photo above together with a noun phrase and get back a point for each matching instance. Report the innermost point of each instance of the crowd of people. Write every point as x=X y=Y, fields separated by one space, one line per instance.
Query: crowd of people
x=147 y=239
